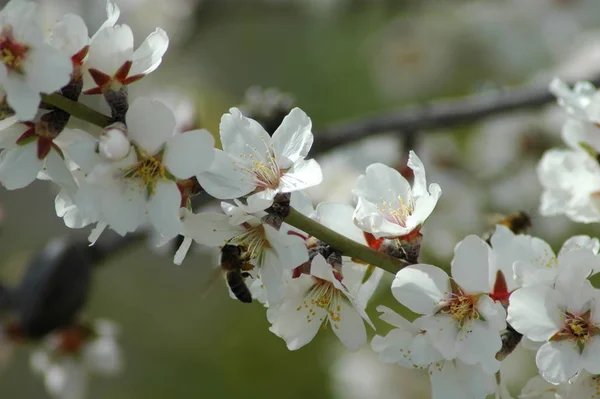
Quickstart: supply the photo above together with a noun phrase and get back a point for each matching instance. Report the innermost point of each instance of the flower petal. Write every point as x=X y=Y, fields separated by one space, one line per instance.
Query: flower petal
x=190 y=153
x=210 y=229
x=421 y=288
x=150 y=123
x=19 y=166
x=350 y=328
x=149 y=55
x=339 y=218
x=471 y=265
x=534 y=312
x=558 y=361
x=224 y=179
x=304 y=174
x=381 y=183
x=293 y=138
x=241 y=136
x=163 y=209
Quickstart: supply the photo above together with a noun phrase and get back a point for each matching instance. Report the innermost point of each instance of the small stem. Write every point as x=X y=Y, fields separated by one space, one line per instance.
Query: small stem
x=77 y=109
x=344 y=244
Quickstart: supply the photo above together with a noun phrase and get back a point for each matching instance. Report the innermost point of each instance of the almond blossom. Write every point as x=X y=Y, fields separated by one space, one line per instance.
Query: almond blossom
x=112 y=61
x=128 y=184
x=70 y=356
x=322 y=299
x=28 y=65
x=571 y=178
x=565 y=319
x=387 y=206
x=462 y=319
x=255 y=164
x=28 y=150
x=271 y=251
x=410 y=345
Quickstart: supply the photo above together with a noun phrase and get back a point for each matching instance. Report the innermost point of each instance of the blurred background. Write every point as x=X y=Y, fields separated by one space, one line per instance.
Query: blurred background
x=337 y=60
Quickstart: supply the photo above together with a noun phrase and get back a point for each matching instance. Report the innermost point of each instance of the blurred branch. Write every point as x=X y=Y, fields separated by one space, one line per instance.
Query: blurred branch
x=437 y=114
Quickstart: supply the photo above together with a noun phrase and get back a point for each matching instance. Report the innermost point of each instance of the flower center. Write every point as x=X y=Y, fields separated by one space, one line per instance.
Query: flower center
x=399 y=212
x=147 y=171
x=12 y=53
x=323 y=295
x=578 y=328
x=262 y=168
x=461 y=306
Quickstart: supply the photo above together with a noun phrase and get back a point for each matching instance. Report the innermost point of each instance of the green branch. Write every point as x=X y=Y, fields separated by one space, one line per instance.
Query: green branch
x=77 y=109
x=344 y=244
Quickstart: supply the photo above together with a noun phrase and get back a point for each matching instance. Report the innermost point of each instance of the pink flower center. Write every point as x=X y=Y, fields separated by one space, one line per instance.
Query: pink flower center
x=12 y=53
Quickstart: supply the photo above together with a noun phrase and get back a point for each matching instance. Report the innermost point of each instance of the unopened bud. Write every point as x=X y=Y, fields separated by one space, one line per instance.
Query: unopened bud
x=113 y=144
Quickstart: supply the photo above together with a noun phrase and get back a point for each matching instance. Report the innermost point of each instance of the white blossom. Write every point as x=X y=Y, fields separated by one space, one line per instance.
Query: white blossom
x=321 y=299
x=463 y=321
x=70 y=356
x=112 y=61
x=387 y=206
x=564 y=318
x=28 y=65
x=410 y=345
x=254 y=163
x=271 y=251
x=144 y=185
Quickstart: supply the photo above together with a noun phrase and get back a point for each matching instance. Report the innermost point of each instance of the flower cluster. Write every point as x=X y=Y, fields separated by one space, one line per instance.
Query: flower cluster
x=313 y=268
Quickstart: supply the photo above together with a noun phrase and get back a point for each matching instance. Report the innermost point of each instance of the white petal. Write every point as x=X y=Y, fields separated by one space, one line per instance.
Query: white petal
x=211 y=229
x=290 y=249
x=534 y=312
x=243 y=136
x=70 y=34
x=382 y=183
x=419 y=187
x=479 y=345
x=304 y=174
x=579 y=242
x=224 y=179
x=163 y=209
x=112 y=15
x=56 y=168
x=350 y=328
x=493 y=312
x=21 y=98
x=150 y=123
x=182 y=251
x=47 y=69
x=394 y=347
x=393 y=318
x=293 y=138
x=444 y=333
x=590 y=357
x=293 y=321
x=558 y=361
x=19 y=166
x=149 y=55
x=338 y=217
x=271 y=274
x=421 y=287
x=455 y=380
x=110 y=48
x=190 y=153
x=471 y=265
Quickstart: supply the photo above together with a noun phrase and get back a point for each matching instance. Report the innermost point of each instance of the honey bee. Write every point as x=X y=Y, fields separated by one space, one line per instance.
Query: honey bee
x=518 y=223
x=234 y=264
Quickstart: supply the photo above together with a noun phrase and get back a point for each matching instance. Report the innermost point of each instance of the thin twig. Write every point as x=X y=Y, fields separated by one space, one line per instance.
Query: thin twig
x=77 y=109
x=438 y=114
x=344 y=244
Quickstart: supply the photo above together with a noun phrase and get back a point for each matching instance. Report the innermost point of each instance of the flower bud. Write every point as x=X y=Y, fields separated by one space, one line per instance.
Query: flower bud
x=113 y=144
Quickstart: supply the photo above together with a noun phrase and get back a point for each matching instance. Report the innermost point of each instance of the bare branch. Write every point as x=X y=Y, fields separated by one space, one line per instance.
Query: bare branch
x=438 y=114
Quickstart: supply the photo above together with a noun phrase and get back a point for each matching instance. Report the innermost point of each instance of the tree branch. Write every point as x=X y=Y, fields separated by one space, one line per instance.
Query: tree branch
x=344 y=244
x=438 y=114
x=77 y=109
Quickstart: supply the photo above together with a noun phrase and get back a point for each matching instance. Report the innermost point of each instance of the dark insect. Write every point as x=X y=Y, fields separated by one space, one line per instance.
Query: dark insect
x=518 y=222
x=235 y=267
